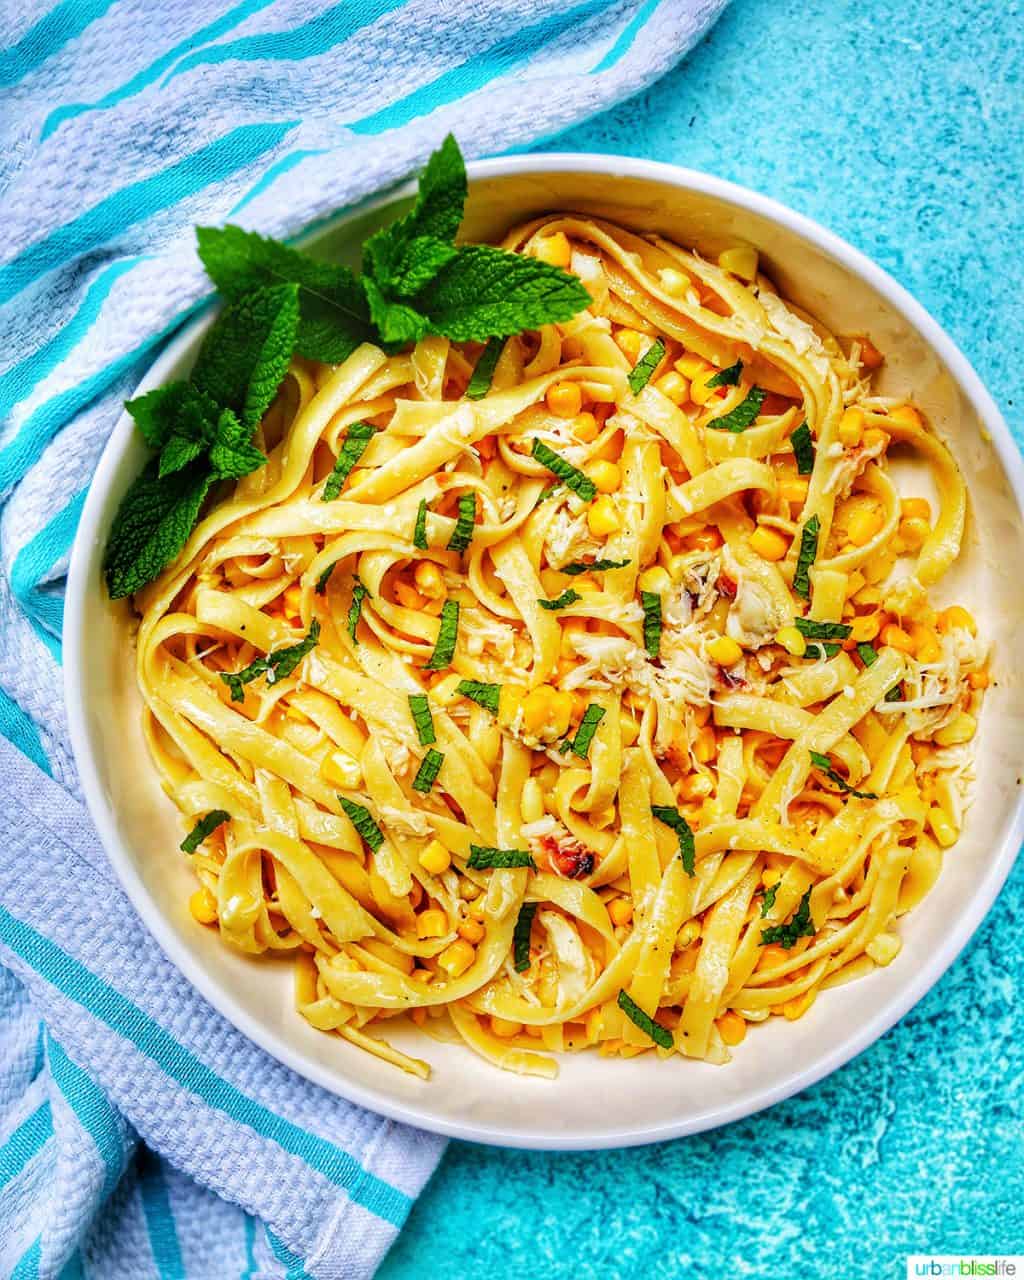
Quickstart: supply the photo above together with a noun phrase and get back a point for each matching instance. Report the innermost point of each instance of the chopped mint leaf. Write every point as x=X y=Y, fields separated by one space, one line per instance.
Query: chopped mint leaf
x=727 y=377
x=745 y=413
x=808 y=553
x=651 y=603
x=521 y=937
x=352 y=449
x=462 y=534
x=419 y=705
x=643 y=370
x=203 y=829
x=362 y=820
x=803 y=449
x=812 y=630
x=800 y=926
x=276 y=666
x=481 y=858
x=572 y=477
x=485 y=695
x=653 y=1030
x=674 y=819
x=563 y=601
x=483 y=371
x=822 y=762
x=592 y=717
x=355 y=609
x=447 y=637
x=426 y=774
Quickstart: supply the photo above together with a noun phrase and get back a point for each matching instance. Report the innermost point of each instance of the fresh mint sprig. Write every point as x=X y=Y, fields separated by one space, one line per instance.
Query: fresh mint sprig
x=415 y=281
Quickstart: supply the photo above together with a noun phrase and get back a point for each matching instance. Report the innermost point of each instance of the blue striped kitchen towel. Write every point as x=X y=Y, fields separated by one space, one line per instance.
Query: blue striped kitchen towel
x=140 y=1135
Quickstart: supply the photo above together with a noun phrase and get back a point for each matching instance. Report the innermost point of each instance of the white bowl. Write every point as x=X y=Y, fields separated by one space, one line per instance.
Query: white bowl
x=595 y=1102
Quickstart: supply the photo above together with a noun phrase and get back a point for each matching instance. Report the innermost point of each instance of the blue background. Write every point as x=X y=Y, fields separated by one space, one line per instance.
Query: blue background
x=899 y=126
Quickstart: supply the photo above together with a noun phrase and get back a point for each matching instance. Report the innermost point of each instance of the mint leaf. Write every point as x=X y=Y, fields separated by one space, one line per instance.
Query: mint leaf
x=402 y=268
x=152 y=525
x=397 y=322
x=232 y=453
x=488 y=293
x=245 y=356
x=177 y=409
x=178 y=452
x=333 y=316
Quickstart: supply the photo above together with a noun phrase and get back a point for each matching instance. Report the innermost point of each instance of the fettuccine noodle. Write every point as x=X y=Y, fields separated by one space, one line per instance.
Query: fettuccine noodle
x=807 y=717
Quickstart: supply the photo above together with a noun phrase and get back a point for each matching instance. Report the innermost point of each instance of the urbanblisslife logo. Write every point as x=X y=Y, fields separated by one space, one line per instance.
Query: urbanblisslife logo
x=951 y=1264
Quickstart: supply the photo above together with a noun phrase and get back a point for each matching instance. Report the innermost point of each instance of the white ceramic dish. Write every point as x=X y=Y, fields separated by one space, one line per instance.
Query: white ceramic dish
x=595 y=1102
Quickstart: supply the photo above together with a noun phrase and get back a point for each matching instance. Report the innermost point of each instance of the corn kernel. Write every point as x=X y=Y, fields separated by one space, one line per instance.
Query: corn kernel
x=435 y=858
x=725 y=651
x=408 y=595
x=342 y=770
x=694 y=787
x=926 y=643
x=700 y=392
x=585 y=427
x=503 y=1028
x=468 y=891
x=429 y=580
x=771 y=956
x=706 y=746
x=554 y=249
x=673 y=386
x=732 y=1028
x=955 y=618
x=547 y=711
x=432 y=923
x=908 y=415
x=865 y=628
x=606 y=475
x=883 y=948
x=769 y=544
x=654 y=579
x=865 y=523
x=603 y=517
x=564 y=399
x=629 y=729
x=472 y=931
x=792 y=641
x=693 y=366
x=687 y=935
x=851 y=428
x=873 y=437
x=793 y=489
x=961 y=728
x=797 y=1007
x=203 y=906
x=915 y=509
x=674 y=283
x=741 y=260
x=620 y=910
x=896 y=638
x=457 y=958
x=632 y=343
x=913 y=532
x=770 y=876
x=293 y=601
x=979 y=679
x=942 y=828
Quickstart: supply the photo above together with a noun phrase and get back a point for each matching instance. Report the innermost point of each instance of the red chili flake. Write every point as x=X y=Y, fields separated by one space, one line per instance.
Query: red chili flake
x=566 y=856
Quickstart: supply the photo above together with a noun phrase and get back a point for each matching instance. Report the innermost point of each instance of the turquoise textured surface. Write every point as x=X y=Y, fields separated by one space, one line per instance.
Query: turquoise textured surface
x=899 y=127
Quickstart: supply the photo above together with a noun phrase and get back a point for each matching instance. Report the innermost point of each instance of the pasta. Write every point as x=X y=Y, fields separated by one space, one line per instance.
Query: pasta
x=607 y=708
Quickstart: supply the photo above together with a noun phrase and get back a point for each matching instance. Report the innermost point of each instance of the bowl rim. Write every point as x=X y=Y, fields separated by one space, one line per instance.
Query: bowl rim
x=80 y=582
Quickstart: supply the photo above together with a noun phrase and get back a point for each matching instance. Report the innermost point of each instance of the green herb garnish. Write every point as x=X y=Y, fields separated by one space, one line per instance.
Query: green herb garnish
x=822 y=762
x=363 y=822
x=419 y=533
x=462 y=534
x=567 y=598
x=355 y=609
x=483 y=372
x=325 y=577
x=651 y=603
x=203 y=829
x=803 y=449
x=275 y=666
x=643 y=370
x=419 y=705
x=653 y=1030
x=203 y=430
x=592 y=717
x=521 y=937
x=822 y=650
x=576 y=567
x=813 y=630
x=447 y=635
x=674 y=819
x=727 y=377
x=895 y=694
x=482 y=857
x=352 y=449
x=485 y=695
x=868 y=653
x=808 y=552
x=768 y=901
x=738 y=419
x=415 y=281
x=800 y=926
x=426 y=774
x=572 y=477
